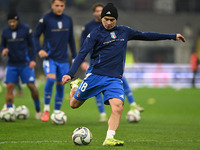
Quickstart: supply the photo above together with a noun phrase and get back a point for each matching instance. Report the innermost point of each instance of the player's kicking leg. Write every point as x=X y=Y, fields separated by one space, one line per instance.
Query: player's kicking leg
x=74 y=103
x=74 y=85
x=113 y=123
x=35 y=96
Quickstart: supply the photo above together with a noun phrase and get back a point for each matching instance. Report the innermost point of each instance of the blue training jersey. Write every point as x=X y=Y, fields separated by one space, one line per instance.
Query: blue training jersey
x=109 y=49
x=20 y=45
x=58 y=33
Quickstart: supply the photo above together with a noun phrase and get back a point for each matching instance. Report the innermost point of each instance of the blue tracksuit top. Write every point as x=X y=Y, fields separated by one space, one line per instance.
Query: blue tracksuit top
x=20 y=45
x=109 y=49
x=58 y=33
x=88 y=28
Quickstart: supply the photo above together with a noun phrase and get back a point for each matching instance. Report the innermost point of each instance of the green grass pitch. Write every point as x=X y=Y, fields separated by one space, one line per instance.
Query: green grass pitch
x=171 y=121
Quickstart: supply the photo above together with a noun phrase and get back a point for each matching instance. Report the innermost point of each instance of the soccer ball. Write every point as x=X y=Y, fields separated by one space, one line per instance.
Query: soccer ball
x=82 y=136
x=58 y=117
x=8 y=114
x=22 y=112
x=133 y=116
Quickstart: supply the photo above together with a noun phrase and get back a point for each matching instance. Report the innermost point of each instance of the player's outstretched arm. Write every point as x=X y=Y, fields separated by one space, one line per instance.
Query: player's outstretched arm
x=65 y=79
x=180 y=37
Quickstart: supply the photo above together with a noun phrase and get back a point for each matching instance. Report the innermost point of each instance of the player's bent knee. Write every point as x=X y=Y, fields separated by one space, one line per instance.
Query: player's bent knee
x=116 y=105
x=73 y=106
x=118 y=108
x=74 y=103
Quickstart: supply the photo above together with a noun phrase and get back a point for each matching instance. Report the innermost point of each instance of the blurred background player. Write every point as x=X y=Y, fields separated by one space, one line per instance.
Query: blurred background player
x=17 y=44
x=108 y=45
x=194 y=66
x=58 y=33
x=97 y=9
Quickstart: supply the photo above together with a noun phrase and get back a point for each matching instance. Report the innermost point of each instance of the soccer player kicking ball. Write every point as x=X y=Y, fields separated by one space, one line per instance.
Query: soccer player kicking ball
x=108 y=43
x=15 y=43
x=97 y=9
x=58 y=33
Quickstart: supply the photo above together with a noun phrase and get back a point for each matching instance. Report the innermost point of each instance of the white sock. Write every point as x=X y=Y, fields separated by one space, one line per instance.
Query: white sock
x=103 y=114
x=56 y=111
x=110 y=134
x=134 y=103
x=46 y=108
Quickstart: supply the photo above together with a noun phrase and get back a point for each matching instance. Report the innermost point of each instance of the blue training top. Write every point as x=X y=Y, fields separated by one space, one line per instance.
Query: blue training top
x=58 y=32
x=20 y=45
x=109 y=49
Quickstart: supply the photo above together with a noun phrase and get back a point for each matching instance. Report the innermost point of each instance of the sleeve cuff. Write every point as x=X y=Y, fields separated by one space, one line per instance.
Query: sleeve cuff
x=70 y=74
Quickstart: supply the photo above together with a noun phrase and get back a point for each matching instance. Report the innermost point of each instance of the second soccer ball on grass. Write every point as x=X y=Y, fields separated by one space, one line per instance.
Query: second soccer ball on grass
x=59 y=118
x=133 y=116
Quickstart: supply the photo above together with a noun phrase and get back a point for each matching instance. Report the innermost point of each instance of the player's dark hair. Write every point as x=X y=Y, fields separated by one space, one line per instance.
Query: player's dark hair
x=58 y=0
x=97 y=5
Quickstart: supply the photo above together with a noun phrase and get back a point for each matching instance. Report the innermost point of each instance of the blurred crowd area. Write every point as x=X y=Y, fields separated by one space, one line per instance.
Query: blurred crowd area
x=167 y=16
x=31 y=10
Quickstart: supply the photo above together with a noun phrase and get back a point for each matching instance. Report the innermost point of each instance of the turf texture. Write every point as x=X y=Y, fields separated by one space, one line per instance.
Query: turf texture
x=171 y=121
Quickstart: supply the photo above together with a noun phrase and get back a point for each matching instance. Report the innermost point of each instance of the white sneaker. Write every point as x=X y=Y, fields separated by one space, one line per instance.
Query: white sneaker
x=38 y=115
x=139 y=108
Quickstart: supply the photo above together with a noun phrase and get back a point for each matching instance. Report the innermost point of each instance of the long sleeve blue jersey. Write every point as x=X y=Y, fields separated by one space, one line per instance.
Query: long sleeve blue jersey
x=58 y=33
x=109 y=49
x=20 y=45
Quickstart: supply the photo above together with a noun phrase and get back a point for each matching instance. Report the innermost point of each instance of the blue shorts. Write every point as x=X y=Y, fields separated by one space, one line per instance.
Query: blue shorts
x=94 y=84
x=14 y=72
x=53 y=67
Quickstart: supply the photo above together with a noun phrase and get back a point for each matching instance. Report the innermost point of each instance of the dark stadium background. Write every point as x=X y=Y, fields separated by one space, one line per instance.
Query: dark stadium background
x=167 y=16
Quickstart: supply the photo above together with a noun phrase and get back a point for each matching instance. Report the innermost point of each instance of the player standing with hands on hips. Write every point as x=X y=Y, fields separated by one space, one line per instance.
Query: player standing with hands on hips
x=108 y=43
x=17 y=44
x=58 y=33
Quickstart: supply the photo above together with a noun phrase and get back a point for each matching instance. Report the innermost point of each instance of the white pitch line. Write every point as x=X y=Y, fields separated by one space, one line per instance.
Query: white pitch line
x=135 y=141
x=169 y=141
x=17 y=142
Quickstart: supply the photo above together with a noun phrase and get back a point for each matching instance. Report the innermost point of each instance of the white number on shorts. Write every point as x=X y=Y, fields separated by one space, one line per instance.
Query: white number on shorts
x=83 y=87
